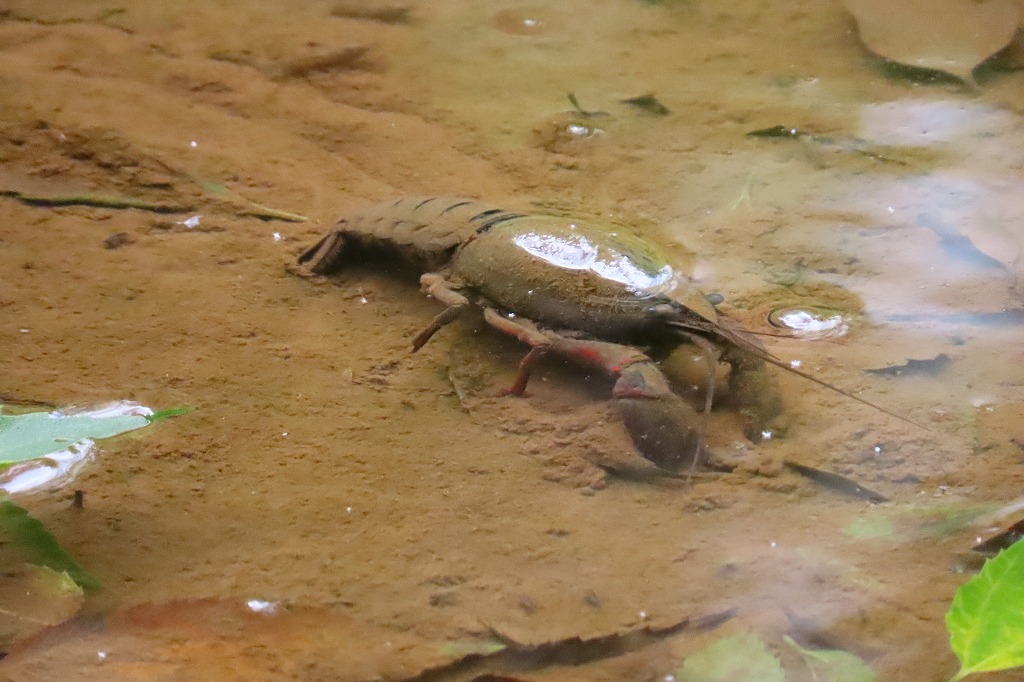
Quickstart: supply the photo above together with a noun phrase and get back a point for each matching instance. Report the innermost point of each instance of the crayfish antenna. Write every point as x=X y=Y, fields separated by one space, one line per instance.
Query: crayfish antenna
x=771 y=359
x=738 y=339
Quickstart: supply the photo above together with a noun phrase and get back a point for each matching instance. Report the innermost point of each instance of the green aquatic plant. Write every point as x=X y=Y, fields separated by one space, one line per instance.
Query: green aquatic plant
x=986 y=618
x=30 y=539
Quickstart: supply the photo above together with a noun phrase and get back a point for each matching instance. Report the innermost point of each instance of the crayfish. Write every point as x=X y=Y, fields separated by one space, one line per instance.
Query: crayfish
x=597 y=297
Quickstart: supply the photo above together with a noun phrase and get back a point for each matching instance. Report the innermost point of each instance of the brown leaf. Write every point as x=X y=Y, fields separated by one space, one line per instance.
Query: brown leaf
x=33 y=598
x=953 y=36
x=220 y=639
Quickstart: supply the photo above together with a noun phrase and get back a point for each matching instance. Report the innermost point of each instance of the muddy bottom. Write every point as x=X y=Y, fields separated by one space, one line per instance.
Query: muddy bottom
x=355 y=511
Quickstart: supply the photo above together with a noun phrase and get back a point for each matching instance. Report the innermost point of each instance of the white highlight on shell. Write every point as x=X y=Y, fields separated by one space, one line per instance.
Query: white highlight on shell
x=577 y=252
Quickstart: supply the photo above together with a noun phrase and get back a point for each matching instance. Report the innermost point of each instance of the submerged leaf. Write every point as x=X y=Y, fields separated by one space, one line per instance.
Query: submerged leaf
x=986 y=618
x=469 y=647
x=834 y=665
x=953 y=36
x=33 y=598
x=37 y=545
x=255 y=639
x=869 y=527
x=37 y=434
x=743 y=657
x=221 y=639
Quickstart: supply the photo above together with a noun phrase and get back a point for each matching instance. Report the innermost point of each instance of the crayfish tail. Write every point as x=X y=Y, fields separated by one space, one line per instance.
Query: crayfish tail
x=325 y=255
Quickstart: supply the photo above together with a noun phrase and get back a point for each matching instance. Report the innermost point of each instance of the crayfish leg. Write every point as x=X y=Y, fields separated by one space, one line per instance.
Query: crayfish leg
x=528 y=334
x=438 y=287
x=526 y=366
x=664 y=428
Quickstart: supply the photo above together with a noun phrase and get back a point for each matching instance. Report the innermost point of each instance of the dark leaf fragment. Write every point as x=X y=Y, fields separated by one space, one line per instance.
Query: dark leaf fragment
x=776 y=131
x=837 y=483
x=921 y=368
x=383 y=12
x=649 y=104
x=580 y=111
x=996 y=543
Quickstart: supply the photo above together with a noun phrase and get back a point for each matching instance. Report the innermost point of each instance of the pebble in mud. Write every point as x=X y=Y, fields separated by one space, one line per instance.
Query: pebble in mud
x=522 y=21
x=444 y=599
x=117 y=240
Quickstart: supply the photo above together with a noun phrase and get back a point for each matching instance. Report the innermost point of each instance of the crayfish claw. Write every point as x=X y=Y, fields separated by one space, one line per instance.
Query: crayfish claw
x=665 y=430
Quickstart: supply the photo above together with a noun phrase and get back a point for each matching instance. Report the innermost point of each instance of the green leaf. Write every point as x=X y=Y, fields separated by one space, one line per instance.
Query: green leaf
x=834 y=665
x=734 y=658
x=986 y=618
x=39 y=546
x=464 y=648
x=37 y=434
x=160 y=415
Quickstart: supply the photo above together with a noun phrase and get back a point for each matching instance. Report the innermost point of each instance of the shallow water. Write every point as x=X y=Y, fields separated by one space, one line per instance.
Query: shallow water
x=325 y=466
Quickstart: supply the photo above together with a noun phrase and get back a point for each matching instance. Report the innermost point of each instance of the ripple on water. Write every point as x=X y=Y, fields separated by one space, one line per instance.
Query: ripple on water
x=809 y=322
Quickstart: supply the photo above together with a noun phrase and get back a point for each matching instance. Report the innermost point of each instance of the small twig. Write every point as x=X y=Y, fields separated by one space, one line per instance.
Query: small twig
x=267 y=213
x=94 y=200
x=15 y=400
x=383 y=12
x=350 y=57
